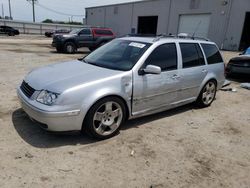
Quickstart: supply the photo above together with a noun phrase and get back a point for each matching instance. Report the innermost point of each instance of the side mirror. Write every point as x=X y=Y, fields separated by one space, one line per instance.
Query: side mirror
x=150 y=69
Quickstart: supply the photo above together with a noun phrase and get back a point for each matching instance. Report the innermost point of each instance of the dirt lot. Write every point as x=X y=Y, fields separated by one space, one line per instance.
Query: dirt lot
x=185 y=147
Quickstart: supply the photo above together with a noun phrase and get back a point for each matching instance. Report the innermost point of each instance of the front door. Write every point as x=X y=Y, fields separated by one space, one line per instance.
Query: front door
x=85 y=37
x=153 y=91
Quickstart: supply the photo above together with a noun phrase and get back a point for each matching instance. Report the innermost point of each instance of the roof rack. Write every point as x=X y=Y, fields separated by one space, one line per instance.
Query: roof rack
x=179 y=36
x=139 y=35
x=160 y=36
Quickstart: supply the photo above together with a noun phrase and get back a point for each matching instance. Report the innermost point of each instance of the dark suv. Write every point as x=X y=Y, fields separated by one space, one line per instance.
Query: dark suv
x=90 y=37
x=8 y=31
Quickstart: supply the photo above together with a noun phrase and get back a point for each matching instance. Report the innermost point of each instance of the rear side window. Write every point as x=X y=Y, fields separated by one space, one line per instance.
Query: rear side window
x=212 y=53
x=191 y=55
x=164 y=56
x=103 y=32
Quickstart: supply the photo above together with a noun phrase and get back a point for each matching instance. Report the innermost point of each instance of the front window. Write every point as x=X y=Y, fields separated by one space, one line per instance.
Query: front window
x=118 y=54
x=164 y=56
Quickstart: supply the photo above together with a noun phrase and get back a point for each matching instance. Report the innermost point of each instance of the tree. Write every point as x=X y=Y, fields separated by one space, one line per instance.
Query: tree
x=47 y=21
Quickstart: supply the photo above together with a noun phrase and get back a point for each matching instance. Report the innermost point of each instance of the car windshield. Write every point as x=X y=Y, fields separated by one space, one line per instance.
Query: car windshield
x=75 y=31
x=117 y=54
x=247 y=51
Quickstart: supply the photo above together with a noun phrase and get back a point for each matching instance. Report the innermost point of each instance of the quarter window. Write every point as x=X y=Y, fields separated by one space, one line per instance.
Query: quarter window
x=212 y=53
x=191 y=55
x=103 y=32
x=164 y=56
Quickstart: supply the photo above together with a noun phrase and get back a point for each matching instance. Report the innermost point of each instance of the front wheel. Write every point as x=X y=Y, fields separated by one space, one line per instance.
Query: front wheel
x=105 y=118
x=207 y=94
x=70 y=47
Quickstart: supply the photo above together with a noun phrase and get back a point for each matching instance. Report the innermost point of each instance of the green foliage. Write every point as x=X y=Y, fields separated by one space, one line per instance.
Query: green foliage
x=47 y=21
x=61 y=22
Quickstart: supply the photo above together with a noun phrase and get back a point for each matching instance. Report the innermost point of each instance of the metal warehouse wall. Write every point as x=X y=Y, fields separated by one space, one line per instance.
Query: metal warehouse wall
x=226 y=17
x=235 y=23
x=123 y=17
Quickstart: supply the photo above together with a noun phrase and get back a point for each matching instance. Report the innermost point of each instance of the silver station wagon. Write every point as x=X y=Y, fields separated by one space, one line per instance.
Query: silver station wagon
x=127 y=78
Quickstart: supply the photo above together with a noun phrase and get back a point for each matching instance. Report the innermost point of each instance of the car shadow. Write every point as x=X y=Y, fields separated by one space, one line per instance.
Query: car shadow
x=135 y=123
x=32 y=134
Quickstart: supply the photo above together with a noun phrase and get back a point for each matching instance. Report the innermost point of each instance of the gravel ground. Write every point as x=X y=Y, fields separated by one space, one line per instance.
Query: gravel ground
x=184 y=147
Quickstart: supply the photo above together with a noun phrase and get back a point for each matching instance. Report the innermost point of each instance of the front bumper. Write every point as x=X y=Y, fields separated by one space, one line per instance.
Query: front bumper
x=56 y=121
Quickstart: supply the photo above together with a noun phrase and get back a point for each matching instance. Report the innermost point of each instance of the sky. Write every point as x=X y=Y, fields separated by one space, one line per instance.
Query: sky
x=22 y=9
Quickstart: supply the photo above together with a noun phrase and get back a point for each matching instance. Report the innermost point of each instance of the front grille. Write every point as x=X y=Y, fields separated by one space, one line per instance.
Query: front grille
x=27 y=90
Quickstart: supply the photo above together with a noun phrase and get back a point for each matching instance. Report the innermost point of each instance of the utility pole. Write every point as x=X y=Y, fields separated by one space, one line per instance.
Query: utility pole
x=33 y=9
x=10 y=10
x=2 y=11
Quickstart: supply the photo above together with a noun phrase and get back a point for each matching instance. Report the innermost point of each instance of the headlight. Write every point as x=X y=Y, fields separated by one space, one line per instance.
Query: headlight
x=47 y=97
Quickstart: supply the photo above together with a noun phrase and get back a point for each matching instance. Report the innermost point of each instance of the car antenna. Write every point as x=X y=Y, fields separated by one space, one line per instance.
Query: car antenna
x=196 y=29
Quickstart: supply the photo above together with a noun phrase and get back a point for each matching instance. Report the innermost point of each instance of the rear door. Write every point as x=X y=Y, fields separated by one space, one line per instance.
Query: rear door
x=193 y=72
x=85 y=37
x=153 y=91
x=215 y=62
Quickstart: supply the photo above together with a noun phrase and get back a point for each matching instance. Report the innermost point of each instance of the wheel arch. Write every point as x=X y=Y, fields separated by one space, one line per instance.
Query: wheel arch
x=206 y=80
x=127 y=108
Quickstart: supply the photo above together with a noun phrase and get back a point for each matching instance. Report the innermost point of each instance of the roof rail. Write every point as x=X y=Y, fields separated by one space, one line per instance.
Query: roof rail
x=179 y=36
x=160 y=36
x=140 y=35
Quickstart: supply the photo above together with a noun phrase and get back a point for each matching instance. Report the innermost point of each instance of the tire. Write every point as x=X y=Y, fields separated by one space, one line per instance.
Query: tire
x=70 y=48
x=105 y=118
x=207 y=94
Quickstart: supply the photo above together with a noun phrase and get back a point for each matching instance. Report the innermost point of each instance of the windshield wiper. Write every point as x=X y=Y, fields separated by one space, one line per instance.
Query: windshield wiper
x=83 y=60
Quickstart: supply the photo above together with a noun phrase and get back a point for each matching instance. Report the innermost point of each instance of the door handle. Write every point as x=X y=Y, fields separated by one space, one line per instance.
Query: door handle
x=175 y=76
x=204 y=71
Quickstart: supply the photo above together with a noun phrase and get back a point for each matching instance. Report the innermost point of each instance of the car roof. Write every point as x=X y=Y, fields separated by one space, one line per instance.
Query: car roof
x=165 y=39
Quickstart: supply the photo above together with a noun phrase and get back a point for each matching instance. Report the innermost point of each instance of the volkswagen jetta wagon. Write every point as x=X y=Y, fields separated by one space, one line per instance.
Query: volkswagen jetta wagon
x=127 y=78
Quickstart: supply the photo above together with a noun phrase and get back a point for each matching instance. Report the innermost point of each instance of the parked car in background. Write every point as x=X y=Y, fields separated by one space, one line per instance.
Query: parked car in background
x=8 y=31
x=127 y=78
x=90 y=37
x=56 y=31
x=240 y=64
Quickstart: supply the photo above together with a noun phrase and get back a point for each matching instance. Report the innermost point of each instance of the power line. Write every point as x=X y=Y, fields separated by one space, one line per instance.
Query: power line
x=57 y=12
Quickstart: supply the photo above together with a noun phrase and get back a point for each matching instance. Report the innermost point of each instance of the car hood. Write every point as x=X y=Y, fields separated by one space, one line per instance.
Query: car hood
x=62 y=76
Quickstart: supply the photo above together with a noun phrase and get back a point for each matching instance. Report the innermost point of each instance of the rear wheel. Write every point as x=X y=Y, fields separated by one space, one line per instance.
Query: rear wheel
x=105 y=118
x=207 y=94
x=70 y=47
